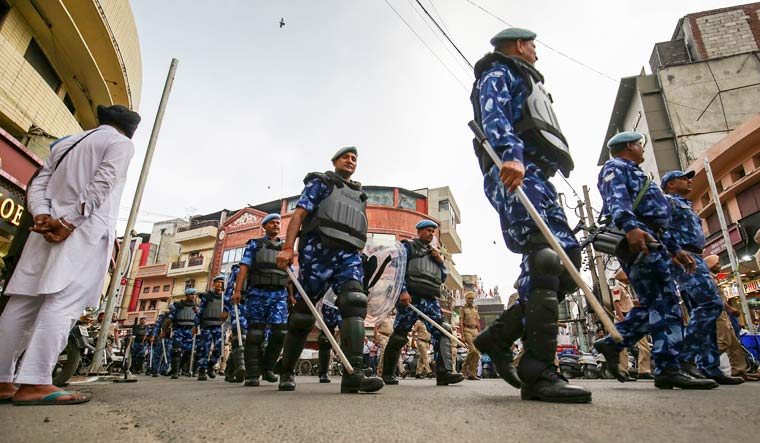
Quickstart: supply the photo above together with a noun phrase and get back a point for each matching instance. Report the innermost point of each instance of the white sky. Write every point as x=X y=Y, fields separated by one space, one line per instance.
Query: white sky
x=255 y=107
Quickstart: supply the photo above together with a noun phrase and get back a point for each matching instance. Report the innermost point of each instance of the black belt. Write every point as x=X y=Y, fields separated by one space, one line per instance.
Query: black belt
x=659 y=230
x=692 y=249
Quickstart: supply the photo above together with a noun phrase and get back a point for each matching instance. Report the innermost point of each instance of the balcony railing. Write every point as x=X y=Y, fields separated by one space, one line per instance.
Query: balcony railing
x=212 y=223
x=196 y=265
x=196 y=261
x=178 y=264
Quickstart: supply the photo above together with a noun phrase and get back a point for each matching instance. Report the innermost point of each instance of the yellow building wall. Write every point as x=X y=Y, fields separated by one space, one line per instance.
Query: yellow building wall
x=121 y=22
x=25 y=97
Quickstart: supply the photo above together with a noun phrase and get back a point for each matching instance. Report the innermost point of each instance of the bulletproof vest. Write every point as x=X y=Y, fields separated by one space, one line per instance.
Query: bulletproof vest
x=140 y=330
x=265 y=271
x=423 y=274
x=211 y=315
x=341 y=218
x=185 y=314
x=538 y=126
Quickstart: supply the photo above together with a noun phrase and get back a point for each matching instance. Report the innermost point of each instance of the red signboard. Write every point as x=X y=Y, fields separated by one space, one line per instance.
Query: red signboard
x=718 y=246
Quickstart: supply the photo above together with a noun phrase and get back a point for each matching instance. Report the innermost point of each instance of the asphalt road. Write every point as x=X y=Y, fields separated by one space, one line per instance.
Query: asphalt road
x=163 y=410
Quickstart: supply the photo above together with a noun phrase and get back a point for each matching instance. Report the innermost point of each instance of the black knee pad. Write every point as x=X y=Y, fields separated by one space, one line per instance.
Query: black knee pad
x=300 y=323
x=255 y=335
x=566 y=282
x=544 y=269
x=352 y=302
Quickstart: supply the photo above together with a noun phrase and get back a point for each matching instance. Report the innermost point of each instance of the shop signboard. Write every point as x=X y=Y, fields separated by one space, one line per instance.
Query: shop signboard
x=11 y=210
x=718 y=246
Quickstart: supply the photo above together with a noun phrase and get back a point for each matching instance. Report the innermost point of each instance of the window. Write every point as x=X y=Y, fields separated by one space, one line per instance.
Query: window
x=446 y=212
x=232 y=255
x=292 y=204
x=443 y=205
x=382 y=197
x=406 y=201
x=41 y=64
x=749 y=200
x=189 y=283
x=152 y=305
x=146 y=289
x=156 y=288
x=69 y=104
x=713 y=224
x=142 y=305
x=166 y=288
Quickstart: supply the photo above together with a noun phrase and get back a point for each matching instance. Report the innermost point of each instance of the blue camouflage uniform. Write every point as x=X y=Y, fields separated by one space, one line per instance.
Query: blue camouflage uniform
x=406 y=317
x=700 y=341
x=182 y=336
x=210 y=335
x=321 y=266
x=230 y=308
x=501 y=95
x=139 y=348
x=620 y=181
x=263 y=306
x=159 y=363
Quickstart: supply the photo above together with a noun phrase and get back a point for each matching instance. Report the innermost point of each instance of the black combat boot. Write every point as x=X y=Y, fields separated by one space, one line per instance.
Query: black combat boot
x=673 y=378
x=497 y=339
x=253 y=354
x=175 y=364
x=291 y=352
x=324 y=357
x=202 y=374
x=444 y=366
x=237 y=357
x=352 y=344
x=272 y=352
x=612 y=358
x=536 y=370
x=691 y=370
x=212 y=373
x=390 y=358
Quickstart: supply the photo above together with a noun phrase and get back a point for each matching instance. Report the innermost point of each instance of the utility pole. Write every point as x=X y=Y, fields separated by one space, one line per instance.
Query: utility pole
x=124 y=251
x=597 y=270
x=729 y=248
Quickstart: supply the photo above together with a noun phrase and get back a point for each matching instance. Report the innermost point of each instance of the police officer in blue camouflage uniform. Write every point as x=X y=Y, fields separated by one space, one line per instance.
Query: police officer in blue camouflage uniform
x=139 y=345
x=331 y=220
x=514 y=110
x=268 y=290
x=182 y=319
x=425 y=273
x=700 y=342
x=158 y=365
x=635 y=205
x=235 y=371
x=210 y=317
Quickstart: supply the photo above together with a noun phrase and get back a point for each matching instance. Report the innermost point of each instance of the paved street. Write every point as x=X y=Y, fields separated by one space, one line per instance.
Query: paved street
x=489 y=410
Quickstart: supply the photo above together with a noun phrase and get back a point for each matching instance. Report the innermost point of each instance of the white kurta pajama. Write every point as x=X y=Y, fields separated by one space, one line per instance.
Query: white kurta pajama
x=54 y=282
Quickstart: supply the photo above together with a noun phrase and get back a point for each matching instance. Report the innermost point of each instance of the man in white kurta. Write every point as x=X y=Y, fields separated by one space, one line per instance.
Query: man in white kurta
x=63 y=264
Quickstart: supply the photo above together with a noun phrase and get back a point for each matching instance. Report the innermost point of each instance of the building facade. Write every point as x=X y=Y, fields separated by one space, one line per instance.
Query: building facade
x=58 y=61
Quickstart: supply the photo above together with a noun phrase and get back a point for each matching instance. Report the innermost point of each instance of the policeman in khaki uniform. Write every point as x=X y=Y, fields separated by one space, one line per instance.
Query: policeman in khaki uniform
x=422 y=338
x=469 y=324
x=622 y=297
x=383 y=331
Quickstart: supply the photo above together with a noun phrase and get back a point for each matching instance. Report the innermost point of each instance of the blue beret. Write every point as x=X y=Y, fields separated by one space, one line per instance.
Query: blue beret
x=426 y=224
x=625 y=137
x=269 y=218
x=339 y=153
x=190 y=291
x=513 y=34
x=219 y=277
x=675 y=174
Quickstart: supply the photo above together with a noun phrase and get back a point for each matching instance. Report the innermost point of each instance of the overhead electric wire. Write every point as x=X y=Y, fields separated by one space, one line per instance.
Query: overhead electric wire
x=427 y=46
x=444 y=33
x=438 y=37
x=440 y=17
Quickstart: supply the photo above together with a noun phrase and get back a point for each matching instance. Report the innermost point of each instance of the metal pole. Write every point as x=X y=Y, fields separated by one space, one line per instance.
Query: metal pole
x=729 y=248
x=346 y=364
x=437 y=326
x=598 y=259
x=553 y=243
x=97 y=360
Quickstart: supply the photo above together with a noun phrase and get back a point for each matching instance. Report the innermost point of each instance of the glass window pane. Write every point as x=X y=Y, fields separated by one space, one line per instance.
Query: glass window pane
x=407 y=201
x=383 y=197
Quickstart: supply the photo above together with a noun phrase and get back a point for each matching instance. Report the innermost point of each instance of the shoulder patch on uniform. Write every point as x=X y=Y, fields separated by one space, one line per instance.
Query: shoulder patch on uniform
x=609 y=177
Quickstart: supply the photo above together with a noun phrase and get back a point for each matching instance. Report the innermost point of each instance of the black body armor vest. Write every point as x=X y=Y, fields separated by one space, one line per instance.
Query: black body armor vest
x=211 y=315
x=185 y=314
x=423 y=274
x=341 y=218
x=265 y=271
